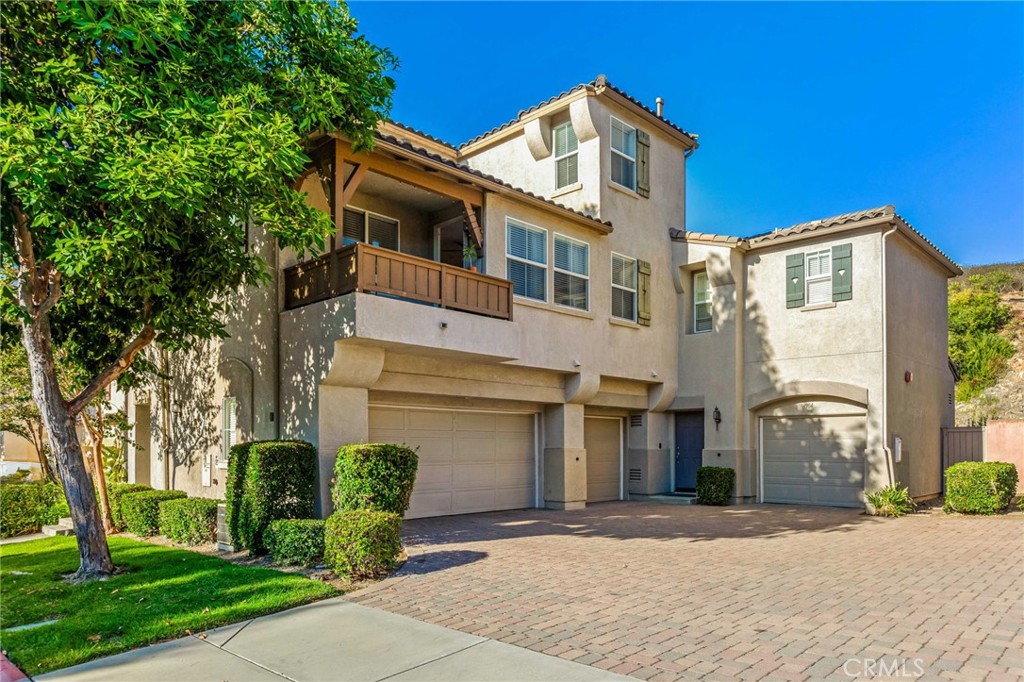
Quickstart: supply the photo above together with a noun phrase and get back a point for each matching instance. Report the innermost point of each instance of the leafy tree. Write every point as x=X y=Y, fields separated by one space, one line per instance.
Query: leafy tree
x=139 y=141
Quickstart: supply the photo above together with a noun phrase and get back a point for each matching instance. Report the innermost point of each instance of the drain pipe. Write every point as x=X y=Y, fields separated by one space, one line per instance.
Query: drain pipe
x=889 y=464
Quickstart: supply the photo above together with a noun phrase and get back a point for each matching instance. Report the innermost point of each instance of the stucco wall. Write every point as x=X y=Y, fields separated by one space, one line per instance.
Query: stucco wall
x=917 y=324
x=1004 y=442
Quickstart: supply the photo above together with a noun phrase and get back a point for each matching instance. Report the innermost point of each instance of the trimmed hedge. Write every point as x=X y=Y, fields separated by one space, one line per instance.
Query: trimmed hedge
x=362 y=543
x=268 y=480
x=296 y=541
x=980 y=487
x=141 y=510
x=375 y=476
x=715 y=485
x=190 y=521
x=116 y=493
x=27 y=507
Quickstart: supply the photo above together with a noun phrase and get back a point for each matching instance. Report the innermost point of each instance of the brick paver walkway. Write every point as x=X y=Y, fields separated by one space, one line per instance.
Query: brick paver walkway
x=664 y=592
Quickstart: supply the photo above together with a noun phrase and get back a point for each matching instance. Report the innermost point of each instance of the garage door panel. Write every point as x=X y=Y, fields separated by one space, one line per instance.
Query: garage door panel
x=814 y=460
x=469 y=461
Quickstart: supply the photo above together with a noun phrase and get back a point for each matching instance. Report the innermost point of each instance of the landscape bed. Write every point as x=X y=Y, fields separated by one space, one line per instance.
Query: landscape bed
x=163 y=593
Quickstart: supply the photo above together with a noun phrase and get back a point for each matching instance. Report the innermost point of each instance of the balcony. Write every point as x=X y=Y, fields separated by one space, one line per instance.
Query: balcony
x=370 y=269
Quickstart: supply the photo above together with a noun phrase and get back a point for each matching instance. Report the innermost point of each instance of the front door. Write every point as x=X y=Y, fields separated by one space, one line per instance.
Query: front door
x=689 y=448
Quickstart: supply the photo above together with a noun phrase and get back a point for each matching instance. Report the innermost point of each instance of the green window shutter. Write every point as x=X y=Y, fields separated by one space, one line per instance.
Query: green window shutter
x=643 y=163
x=643 y=293
x=842 y=272
x=795 y=280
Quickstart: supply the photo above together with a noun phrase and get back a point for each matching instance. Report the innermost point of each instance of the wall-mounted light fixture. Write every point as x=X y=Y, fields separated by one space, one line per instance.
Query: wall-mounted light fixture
x=717 y=416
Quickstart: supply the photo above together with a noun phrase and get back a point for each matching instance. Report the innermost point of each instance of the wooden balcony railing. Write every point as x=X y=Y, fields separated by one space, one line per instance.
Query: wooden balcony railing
x=371 y=269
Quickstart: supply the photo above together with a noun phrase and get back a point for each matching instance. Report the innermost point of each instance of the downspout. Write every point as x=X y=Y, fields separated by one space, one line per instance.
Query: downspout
x=889 y=464
x=740 y=386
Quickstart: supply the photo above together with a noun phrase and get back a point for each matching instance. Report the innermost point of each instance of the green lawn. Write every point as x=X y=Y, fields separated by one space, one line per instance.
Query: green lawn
x=164 y=593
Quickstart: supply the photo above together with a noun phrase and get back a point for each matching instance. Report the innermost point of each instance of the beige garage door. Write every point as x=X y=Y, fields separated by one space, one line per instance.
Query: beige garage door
x=602 y=438
x=814 y=460
x=468 y=461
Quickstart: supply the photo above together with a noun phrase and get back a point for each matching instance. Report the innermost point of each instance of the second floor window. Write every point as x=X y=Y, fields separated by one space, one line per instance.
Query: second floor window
x=702 y=321
x=363 y=226
x=623 y=288
x=526 y=249
x=819 y=277
x=623 y=154
x=572 y=273
x=565 y=155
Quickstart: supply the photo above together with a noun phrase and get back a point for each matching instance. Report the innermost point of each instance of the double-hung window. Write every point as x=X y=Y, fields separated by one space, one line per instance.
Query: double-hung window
x=623 y=154
x=526 y=251
x=363 y=226
x=229 y=426
x=819 y=277
x=702 y=321
x=572 y=273
x=623 y=287
x=566 y=162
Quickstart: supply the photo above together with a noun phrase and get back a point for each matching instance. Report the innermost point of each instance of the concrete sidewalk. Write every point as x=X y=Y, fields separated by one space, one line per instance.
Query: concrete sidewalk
x=331 y=640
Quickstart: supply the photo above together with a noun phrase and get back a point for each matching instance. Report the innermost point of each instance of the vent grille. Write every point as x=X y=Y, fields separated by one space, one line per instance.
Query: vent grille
x=949 y=398
x=635 y=475
x=636 y=420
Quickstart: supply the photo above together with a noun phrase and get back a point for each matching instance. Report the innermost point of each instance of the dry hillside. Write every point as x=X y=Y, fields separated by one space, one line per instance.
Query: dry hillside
x=1004 y=400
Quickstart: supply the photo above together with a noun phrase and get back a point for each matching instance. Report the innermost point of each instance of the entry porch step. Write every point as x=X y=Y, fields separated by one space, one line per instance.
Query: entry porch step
x=668 y=498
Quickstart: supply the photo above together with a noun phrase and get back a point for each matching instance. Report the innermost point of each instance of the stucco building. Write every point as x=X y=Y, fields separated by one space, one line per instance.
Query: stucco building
x=531 y=312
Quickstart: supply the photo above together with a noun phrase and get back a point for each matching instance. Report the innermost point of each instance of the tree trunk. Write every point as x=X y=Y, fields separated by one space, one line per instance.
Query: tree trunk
x=67 y=451
x=96 y=435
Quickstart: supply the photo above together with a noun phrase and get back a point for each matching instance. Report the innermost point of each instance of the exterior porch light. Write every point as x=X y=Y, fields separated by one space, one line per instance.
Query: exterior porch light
x=717 y=416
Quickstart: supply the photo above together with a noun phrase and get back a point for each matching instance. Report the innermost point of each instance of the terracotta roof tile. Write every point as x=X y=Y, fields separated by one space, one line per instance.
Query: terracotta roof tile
x=600 y=81
x=417 y=131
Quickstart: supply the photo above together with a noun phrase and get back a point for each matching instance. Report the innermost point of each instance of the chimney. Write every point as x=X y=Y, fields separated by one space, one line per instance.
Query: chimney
x=661 y=107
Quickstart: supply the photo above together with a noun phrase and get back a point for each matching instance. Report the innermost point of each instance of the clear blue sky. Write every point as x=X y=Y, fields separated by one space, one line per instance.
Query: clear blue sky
x=803 y=110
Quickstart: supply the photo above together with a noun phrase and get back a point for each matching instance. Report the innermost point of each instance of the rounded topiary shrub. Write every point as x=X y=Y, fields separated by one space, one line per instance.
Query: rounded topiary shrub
x=980 y=487
x=141 y=510
x=375 y=476
x=116 y=493
x=715 y=485
x=296 y=541
x=362 y=543
x=190 y=521
x=268 y=480
x=27 y=507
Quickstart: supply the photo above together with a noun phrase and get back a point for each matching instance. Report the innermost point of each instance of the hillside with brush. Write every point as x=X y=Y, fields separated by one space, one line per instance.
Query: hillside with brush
x=986 y=342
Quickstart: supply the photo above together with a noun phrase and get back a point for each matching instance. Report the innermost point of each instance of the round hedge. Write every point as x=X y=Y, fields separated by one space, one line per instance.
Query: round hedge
x=362 y=543
x=375 y=476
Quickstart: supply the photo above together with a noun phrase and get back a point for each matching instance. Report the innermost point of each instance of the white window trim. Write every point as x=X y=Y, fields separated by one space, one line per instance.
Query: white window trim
x=547 y=257
x=554 y=132
x=611 y=126
x=636 y=273
x=366 y=225
x=817 y=278
x=226 y=441
x=555 y=268
x=693 y=280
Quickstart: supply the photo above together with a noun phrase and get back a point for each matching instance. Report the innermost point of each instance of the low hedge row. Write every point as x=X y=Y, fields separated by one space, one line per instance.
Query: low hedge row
x=980 y=487
x=141 y=510
x=115 y=495
x=27 y=507
x=296 y=541
x=715 y=485
x=190 y=521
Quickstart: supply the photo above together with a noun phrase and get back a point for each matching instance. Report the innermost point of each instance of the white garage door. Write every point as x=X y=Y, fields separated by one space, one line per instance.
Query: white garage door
x=602 y=440
x=814 y=460
x=468 y=461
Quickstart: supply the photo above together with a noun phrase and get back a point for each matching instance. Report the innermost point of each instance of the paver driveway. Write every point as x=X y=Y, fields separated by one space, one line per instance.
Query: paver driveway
x=664 y=592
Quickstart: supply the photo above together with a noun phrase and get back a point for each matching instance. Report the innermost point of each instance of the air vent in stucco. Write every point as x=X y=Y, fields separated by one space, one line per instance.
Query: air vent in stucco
x=636 y=420
x=635 y=475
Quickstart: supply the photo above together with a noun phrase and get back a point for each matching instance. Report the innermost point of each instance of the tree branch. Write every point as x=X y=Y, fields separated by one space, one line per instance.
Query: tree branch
x=113 y=371
x=26 y=257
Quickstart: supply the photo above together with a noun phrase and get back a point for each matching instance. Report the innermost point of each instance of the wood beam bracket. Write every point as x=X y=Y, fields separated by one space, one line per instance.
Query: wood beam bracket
x=474 y=225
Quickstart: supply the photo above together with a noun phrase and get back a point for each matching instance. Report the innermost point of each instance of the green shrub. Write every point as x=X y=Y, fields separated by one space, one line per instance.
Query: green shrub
x=26 y=507
x=296 y=541
x=362 y=543
x=141 y=510
x=57 y=511
x=115 y=494
x=980 y=487
x=269 y=480
x=374 y=476
x=190 y=521
x=892 y=500
x=715 y=485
